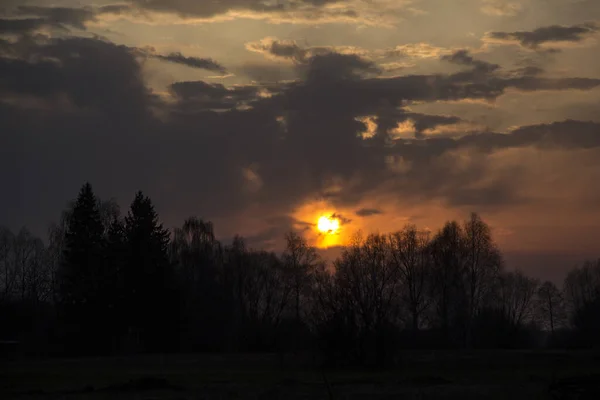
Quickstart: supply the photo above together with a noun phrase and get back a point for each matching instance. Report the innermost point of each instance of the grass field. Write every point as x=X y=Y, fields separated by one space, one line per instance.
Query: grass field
x=420 y=375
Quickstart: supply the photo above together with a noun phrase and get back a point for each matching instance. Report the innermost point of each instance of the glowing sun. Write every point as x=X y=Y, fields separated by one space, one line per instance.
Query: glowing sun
x=328 y=225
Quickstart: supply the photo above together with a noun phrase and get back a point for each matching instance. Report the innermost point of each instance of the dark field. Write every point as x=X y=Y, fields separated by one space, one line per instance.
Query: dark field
x=420 y=375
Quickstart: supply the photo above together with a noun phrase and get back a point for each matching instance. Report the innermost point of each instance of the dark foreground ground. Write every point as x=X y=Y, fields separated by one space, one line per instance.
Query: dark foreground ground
x=421 y=375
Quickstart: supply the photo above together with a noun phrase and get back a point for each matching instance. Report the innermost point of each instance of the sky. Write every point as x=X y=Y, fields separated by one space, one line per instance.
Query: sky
x=264 y=115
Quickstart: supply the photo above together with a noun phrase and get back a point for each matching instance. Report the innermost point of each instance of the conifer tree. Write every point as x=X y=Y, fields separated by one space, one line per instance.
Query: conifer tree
x=148 y=277
x=115 y=253
x=80 y=272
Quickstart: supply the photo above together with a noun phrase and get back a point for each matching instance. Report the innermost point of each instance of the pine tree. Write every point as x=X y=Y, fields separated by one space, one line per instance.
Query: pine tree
x=80 y=271
x=115 y=253
x=148 y=277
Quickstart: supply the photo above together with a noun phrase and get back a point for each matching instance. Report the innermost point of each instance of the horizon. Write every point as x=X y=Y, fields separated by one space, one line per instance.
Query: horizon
x=548 y=266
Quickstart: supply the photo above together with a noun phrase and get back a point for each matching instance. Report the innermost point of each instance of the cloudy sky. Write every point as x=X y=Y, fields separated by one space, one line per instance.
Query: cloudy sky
x=262 y=115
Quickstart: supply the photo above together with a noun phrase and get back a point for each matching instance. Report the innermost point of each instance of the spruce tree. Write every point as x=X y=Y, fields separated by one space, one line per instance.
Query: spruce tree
x=80 y=271
x=115 y=253
x=149 y=279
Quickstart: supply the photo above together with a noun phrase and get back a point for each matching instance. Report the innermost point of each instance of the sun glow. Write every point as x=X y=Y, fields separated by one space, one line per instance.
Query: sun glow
x=328 y=225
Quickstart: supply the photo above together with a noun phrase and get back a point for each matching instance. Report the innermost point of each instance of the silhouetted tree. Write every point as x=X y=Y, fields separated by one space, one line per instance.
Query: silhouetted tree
x=582 y=285
x=333 y=318
x=582 y=294
x=80 y=272
x=23 y=269
x=299 y=263
x=25 y=289
x=550 y=307
x=411 y=256
x=371 y=288
x=149 y=280
x=8 y=268
x=450 y=257
x=114 y=295
x=236 y=270
x=109 y=212
x=107 y=284
x=35 y=275
x=56 y=248
x=482 y=268
x=516 y=296
x=265 y=296
x=205 y=312
x=299 y=259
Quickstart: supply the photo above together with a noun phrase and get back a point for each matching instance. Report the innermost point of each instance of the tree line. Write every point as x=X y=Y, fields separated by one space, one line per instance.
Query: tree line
x=111 y=284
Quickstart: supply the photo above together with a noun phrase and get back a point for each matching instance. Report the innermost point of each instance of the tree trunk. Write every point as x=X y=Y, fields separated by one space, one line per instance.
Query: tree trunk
x=415 y=319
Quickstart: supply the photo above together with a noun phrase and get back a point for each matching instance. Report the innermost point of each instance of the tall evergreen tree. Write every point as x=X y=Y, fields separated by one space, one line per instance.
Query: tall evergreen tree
x=115 y=253
x=149 y=280
x=80 y=272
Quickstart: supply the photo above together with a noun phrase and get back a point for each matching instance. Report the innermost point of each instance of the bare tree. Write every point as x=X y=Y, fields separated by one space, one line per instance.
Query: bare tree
x=261 y=287
x=550 y=306
x=24 y=258
x=195 y=249
x=8 y=269
x=582 y=295
x=369 y=284
x=56 y=247
x=326 y=298
x=410 y=254
x=34 y=268
x=24 y=273
x=449 y=260
x=481 y=268
x=236 y=269
x=582 y=286
x=109 y=212
x=198 y=258
x=265 y=292
x=300 y=261
x=516 y=296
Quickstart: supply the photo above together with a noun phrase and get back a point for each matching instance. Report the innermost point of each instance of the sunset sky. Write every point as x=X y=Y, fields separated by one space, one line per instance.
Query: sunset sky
x=264 y=115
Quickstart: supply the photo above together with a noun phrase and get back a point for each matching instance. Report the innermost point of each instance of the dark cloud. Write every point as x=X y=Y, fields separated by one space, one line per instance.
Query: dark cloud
x=266 y=72
x=66 y=67
x=367 y=212
x=529 y=83
x=334 y=67
x=278 y=48
x=25 y=19
x=549 y=34
x=388 y=119
x=316 y=63
x=92 y=120
x=424 y=122
x=567 y=134
x=75 y=17
x=24 y=25
x=462 y=57
x=114 y=9
x=343 y=220
x=199 y=96
x=288 y=50
x=326 y=89
x=528 y=71
x=208 y=9
x=194 y=62
x=78 y=109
